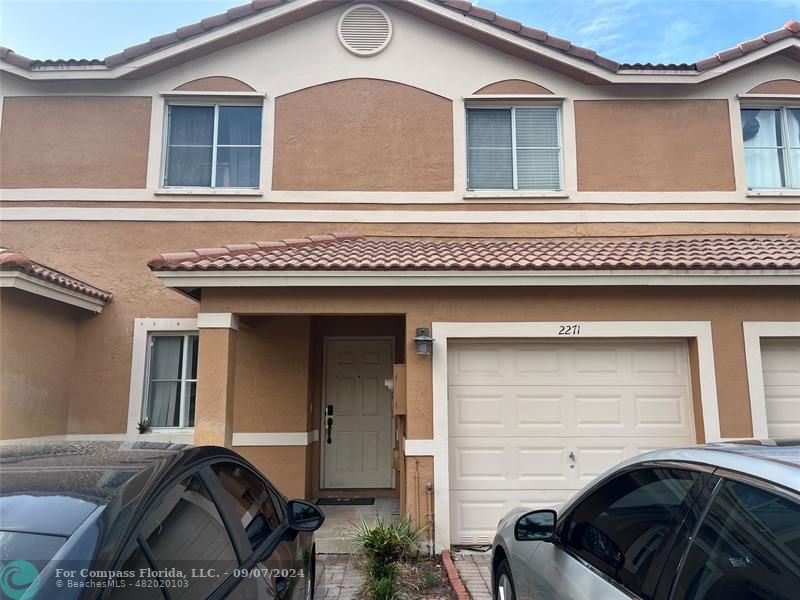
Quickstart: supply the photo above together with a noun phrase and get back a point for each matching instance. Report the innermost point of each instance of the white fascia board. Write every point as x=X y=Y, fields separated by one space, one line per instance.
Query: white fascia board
x=34 y=285
x=300 y=438
x=175 y=279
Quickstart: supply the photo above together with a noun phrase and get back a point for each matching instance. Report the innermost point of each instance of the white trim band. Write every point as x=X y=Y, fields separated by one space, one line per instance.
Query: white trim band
x=34 y=285
x=217 y=321
x=444 y=332
x=299 y=438
x=419 y=447
x=753 y=332
x=195 y=279
x=257 y=215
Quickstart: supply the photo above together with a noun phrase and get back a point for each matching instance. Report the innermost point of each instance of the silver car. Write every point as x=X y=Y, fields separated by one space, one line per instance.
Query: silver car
x=717 y=522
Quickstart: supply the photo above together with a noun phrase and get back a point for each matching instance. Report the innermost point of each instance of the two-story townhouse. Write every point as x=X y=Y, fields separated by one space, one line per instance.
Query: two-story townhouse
x=550 y=260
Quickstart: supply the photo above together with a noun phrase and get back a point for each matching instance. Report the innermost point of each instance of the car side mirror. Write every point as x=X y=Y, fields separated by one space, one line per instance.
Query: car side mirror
x=304 y=516
x=536 y=526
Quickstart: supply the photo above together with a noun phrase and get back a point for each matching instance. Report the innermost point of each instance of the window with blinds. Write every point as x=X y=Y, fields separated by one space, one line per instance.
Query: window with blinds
x=517 y=148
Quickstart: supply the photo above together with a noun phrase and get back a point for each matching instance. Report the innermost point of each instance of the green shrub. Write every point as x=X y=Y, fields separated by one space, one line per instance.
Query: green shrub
x=382 y=589
x=387 y=542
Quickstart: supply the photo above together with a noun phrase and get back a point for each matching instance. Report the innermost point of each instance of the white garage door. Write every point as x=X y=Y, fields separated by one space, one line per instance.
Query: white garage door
x=780 y=359
x=532 y=422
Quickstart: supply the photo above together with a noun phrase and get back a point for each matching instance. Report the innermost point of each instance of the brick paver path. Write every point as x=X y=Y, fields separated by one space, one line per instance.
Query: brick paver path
x=338 y=578
x=475 y=571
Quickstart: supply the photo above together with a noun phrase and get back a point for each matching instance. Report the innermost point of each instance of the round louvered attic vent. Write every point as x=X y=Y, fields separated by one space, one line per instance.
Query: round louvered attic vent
x=365 y=29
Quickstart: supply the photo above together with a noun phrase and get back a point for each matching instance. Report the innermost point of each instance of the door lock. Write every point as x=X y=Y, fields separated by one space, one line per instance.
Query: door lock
x=572 y=459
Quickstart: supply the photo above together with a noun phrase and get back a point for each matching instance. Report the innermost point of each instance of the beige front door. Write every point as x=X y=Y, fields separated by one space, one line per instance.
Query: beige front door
x=357 y=414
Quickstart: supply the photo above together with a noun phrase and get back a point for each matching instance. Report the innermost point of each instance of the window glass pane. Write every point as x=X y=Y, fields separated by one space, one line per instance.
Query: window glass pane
x=761 y=128
x=191 y=391
x=489 y=149
x=538 y=169
x=765 y=168
x=191 y=125
x=188 y=166
x=793 y=123
x=625 y=528
x=251 y=500
x=163 y=403
x=133 y=561
x=165 y=356
x=238 y=167
x=239 y=125
x=193 y=343
x=537 y=127
x=748 y=546
x=185 y=531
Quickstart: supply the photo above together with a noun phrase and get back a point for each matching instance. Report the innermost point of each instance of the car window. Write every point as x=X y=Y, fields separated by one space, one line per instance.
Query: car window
x=131 y=585
x=747 y=546
x=185 y=531
x=625 y=527
x=251 y=500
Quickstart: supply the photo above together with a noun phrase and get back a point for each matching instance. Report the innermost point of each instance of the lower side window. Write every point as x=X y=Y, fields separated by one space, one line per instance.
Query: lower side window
x=171 y=380
x=748 y=546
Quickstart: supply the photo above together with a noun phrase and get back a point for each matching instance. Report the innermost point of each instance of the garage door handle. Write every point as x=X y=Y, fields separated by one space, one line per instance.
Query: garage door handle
x=572 y=456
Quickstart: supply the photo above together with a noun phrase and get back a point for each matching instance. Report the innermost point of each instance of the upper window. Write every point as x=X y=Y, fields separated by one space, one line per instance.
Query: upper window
x=748 y=546
x=215 y=146
x=772 y=147
x=171 y=380
x=625 y=527
x=517 y=148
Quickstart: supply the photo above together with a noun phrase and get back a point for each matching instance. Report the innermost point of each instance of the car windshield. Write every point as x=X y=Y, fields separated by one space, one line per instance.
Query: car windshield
x=29 y=553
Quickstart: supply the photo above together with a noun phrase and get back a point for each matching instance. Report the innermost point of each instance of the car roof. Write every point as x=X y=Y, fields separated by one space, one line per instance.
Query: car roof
x=51 y=487
x=775 y=461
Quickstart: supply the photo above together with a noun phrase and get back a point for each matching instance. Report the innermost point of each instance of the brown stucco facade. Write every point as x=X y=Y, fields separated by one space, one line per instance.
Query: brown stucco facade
x=400 y=138
x=74 y=142
x=642 y=145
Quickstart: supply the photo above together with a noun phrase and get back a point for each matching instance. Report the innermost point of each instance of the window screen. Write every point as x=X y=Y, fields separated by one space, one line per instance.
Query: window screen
x=513 y=149
x=171 y=380
x=213 y=146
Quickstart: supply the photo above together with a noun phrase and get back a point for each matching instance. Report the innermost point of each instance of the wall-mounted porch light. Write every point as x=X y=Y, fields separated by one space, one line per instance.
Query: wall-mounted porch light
x=423 y=341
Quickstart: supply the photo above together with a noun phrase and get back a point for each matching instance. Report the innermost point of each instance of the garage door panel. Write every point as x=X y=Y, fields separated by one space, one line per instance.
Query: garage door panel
x=537 y=421
x=780 y=359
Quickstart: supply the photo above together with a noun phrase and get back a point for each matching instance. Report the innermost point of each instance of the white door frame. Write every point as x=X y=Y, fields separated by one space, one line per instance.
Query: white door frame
x=753 y=332
x=438 y=447
x=322 y=444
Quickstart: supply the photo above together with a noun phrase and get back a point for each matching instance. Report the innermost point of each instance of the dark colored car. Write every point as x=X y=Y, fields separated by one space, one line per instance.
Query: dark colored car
x=120 y=520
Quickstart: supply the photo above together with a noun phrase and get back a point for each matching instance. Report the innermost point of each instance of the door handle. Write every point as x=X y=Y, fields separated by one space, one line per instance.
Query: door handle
x=329 y=423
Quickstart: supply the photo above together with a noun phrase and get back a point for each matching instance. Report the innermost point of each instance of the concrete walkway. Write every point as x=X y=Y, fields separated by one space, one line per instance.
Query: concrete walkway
x=336 y=534
x=474 y=569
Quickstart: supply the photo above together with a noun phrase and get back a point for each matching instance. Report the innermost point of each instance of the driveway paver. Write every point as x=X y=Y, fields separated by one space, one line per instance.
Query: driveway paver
x=474 y=569
x=338 y=577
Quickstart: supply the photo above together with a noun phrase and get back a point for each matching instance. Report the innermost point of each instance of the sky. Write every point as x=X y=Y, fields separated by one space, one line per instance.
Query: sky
x=623 y=30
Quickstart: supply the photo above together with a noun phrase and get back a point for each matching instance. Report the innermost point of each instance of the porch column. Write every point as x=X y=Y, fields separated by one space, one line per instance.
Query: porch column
x=215 y=375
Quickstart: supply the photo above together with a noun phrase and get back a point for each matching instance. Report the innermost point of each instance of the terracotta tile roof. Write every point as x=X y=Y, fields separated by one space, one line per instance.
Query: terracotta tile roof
x=343 y=252
x=11 y=260
x=790 y=29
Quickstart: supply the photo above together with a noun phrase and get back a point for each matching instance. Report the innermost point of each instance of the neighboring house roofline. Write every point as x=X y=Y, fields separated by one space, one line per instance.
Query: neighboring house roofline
x=20 y=272
x=258 y=17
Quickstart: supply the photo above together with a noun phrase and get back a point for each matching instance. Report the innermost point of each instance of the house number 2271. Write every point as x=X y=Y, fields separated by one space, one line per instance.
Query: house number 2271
x=569 y=330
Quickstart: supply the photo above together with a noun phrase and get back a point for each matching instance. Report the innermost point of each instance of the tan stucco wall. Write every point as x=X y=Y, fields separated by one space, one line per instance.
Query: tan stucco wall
x=363 y=134
x=271 y=389
x=74 y=142
x=513 y=86
x=37 y=355
x=284 y=466
x=645 y=145
x=219 y=83
x=777 y=86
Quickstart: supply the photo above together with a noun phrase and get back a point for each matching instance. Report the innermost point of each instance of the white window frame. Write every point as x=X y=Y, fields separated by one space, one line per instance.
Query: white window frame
x=513 y=108
x=143 y=330
x=754 y=332
x=214 y=146
x=792 y=178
